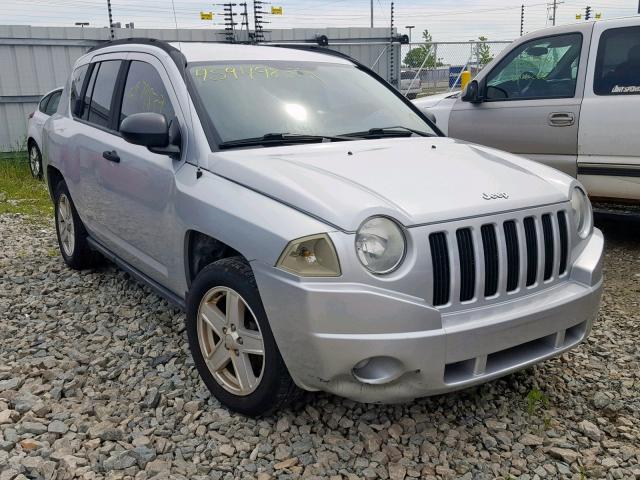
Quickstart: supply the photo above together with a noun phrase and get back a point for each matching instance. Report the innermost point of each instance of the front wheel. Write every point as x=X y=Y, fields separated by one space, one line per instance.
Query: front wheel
x=232 y=343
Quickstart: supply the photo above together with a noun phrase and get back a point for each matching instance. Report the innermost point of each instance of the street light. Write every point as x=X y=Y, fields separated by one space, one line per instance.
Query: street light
x=82 y=24
x=409 y=27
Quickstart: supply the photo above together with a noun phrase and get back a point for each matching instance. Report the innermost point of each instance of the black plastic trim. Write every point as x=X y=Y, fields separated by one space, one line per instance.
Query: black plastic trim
x=610 y=170
x=165 y=293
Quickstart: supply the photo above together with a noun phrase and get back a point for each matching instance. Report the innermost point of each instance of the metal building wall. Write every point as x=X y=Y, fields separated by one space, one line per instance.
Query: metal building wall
x=35 y=60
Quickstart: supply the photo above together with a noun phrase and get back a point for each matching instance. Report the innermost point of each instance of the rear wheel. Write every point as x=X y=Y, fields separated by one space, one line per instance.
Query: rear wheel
x=35 y=161
x=72 y=236
x=232 y=343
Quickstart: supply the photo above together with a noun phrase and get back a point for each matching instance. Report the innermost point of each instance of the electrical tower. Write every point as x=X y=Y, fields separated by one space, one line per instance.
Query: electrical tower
x=229 y=22
x=258 y=19
x=521 y=20
x=244 y=23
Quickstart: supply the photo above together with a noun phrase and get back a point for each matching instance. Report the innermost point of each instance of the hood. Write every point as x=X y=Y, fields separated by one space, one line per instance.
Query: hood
x=433 y=100
x=415 y=180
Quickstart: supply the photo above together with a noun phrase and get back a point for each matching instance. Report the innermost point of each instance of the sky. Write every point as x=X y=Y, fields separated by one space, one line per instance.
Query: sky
x=460 y=20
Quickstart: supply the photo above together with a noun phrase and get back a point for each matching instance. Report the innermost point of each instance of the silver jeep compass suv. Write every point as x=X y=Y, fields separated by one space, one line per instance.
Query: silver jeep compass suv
x=319 y=231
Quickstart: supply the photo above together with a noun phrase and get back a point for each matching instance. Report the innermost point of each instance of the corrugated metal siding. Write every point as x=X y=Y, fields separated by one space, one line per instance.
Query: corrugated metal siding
x=35 y=60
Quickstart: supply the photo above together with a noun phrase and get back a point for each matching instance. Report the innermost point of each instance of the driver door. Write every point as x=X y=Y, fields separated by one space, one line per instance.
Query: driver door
x=532 y=100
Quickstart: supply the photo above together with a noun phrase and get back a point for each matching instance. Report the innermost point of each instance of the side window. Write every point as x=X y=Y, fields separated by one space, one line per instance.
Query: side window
x=542 y=68
x=144 y=91
x=83 y=112
x=54 y=100
x=42 y=106
x=100 y=107
x=77 y=81
x=618 y=62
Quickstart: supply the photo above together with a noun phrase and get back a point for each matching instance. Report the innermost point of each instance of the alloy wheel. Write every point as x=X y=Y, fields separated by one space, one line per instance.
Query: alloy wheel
x=66 y=229
x=34 y=161
x=231 y=341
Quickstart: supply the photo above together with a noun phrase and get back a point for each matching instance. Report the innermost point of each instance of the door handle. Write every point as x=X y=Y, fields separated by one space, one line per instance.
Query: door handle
x=561 y=119
x=112 y=156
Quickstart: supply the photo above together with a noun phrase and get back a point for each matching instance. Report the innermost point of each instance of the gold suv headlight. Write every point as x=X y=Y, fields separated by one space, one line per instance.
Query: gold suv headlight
x=313 y=256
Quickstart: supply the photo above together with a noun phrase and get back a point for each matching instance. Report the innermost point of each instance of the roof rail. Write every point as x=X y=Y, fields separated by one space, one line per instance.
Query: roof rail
x=312 y=48
x=175 y=54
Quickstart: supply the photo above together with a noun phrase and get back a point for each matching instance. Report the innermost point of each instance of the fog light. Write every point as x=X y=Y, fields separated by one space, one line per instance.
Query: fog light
x=378 y=370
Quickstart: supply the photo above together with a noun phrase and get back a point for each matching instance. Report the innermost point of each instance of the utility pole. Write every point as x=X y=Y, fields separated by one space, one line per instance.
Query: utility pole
x=587 y=13
x=409 y=27
x=392 y=54
x=521 y=20
x=258 y=19
x=372 y=12
x=110 y=19
x=555 y=8
x=229 y=22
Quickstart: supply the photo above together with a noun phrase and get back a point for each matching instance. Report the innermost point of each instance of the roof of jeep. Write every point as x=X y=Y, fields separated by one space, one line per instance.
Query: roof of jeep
x=226 y=52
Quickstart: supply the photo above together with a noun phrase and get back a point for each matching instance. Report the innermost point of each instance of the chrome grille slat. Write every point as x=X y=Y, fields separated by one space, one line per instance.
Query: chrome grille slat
x=556 y=243
x=522 y=249
x=474 y=262
x=479 y=256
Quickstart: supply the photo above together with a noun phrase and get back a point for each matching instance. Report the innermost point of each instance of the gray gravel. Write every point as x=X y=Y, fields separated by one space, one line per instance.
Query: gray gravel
x=96 y=382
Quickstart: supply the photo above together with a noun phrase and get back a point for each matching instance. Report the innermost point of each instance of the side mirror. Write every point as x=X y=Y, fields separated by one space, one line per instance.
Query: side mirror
x=152 y=131
x=472 y=93
x=430 y=116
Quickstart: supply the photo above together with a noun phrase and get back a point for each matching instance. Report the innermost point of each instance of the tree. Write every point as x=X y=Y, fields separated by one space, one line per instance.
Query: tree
x=483 y=51
x=424 y=55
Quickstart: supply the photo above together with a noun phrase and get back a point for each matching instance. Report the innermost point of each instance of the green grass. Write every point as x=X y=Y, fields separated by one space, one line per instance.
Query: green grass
x=19 y=191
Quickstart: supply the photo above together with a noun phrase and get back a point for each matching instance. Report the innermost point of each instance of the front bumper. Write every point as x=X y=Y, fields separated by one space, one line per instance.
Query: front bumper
x=325 y=329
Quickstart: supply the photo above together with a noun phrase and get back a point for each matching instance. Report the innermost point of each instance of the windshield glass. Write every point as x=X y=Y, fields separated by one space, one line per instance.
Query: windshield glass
x=249 y=100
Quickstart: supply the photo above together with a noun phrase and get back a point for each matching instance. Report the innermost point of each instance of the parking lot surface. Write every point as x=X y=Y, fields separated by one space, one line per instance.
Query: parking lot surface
x=96 y=381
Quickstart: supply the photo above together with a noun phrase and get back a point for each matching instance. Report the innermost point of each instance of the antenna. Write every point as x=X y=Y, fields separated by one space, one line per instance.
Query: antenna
x=175 y=21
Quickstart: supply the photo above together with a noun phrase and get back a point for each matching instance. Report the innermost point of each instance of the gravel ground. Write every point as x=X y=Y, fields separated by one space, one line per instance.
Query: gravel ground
x=96 y=382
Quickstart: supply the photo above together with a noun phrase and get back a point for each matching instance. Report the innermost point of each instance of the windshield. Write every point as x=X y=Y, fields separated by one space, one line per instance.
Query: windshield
x=249 y=100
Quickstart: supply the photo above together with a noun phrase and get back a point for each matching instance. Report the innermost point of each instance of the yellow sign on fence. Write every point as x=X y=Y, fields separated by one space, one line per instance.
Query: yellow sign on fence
x=276 y=10
x=206 y=15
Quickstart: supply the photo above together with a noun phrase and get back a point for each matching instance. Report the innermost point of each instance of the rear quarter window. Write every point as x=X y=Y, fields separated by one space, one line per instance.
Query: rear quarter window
x=617 y=69
x=77 y=82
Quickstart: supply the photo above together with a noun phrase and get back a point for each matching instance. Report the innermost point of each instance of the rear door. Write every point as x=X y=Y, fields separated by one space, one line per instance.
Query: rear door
x=138 y=189
x=532 y=100
x=609 y=144
x=94 y=135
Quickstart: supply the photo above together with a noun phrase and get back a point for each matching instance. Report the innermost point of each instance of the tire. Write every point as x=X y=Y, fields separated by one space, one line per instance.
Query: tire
x=72 y=236
x=35 y=161
x=266 y=385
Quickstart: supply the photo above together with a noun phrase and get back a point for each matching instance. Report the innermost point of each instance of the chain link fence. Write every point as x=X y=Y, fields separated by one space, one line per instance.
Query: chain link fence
x=436 y=67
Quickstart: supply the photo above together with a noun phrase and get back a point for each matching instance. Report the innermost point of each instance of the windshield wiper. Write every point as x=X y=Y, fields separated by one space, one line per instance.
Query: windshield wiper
x=274 y=139
x=397 y=131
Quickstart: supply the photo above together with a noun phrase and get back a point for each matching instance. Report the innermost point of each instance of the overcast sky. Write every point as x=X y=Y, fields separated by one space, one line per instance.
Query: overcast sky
x=460 y=20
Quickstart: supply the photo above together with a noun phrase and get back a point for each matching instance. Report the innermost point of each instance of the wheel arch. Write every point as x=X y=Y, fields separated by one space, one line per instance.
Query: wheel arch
x=201 y=249
x=53 y=177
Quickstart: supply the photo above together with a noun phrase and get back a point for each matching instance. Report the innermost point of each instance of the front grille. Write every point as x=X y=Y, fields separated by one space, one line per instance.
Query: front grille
x=485 y=261
x=440 y=262
x=467 y=264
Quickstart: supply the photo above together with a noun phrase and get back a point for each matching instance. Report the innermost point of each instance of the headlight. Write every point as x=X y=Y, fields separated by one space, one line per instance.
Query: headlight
x=312 y=256
x=582 y=214
x=380 y=245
